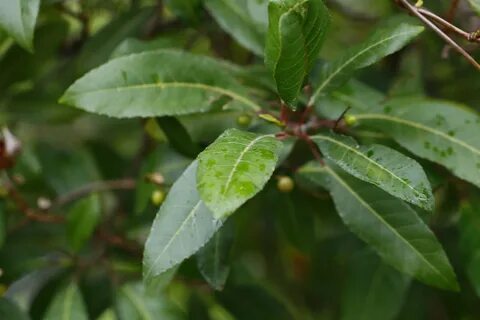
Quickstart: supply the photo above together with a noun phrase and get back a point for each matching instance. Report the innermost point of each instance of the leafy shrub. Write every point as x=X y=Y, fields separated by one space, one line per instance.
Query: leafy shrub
x=239 y=159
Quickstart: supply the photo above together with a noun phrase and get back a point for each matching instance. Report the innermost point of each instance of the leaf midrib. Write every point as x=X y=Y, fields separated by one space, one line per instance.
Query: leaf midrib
x=419 y=195
x=163 y=85
x=352 y=59
x=418 y=126
x=174 y=236
x=239 y=160
x=379 y=217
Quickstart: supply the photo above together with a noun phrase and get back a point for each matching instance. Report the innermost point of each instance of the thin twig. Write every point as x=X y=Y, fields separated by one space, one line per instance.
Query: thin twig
x=415 y=11
x=448 y=26
x=30 y=213
x=98 y=186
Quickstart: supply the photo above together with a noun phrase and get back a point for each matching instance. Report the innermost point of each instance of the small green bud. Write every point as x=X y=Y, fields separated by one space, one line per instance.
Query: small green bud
x=285 y=184
x=244 y=120
x=158 y=196
x=351 y=120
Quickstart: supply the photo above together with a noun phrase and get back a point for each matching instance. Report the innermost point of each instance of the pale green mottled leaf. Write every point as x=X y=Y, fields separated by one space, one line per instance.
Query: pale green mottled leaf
x=295 y=35
x=388 y=225
x=157 y=83
x=182 y=226
x=235 y=168
x=383 y=42
x=235 y=17
x=213 y=259
x=67 y=305
x=384 y=167
x=373 y=290
x=18 y=18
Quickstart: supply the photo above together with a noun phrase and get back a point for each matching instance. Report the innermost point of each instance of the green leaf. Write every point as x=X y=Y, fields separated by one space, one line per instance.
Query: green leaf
x=475 y=5
x=9 y=310
x=439 y=131
x=235 y=168
x=386 y=168
x=383 y=42
x=134 y=302
x=237 y=17
x=157 y=83
x=82 y=219
x=67 y=305
x=213 y=259
x=388 y=225
x=182 y=226
x=295 y=35
x=18 y=18
x=373 y=290
x=469 y=227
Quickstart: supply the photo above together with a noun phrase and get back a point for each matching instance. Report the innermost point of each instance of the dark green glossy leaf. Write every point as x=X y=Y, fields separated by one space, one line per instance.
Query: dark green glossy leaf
x=182 y=226
x=295 y=35
x=18 y=18
x=391 y=227
x=373 y=290
x=157 y=83
x=213 y=259
x=235 y=168
x=384 y=167
x=245 y=20
x=385 y=41
x=67 y=305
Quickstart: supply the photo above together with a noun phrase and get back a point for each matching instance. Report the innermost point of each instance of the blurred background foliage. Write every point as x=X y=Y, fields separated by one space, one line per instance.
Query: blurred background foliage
x=292 y=258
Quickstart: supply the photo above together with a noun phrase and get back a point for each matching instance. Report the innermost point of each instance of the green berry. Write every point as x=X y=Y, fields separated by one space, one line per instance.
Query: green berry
x=351 y=120
x=158 y=196
x=285 y=184
x=244 y=120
